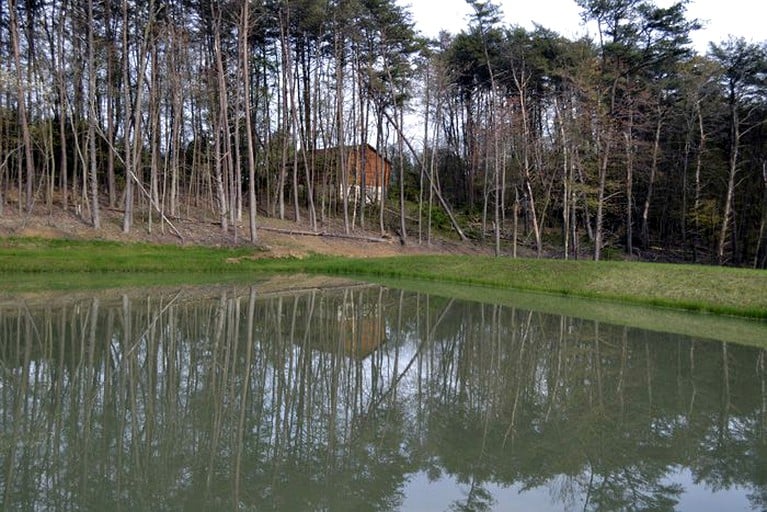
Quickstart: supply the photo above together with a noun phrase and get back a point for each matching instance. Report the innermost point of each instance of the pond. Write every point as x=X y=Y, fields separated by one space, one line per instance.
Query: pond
x=353 y=396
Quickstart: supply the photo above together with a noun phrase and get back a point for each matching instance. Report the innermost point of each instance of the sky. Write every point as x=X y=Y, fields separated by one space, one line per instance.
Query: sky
x=721 y=18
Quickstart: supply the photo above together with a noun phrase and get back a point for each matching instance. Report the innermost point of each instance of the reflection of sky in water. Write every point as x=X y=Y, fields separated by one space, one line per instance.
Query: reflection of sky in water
x=439 y=495
x=698 y=497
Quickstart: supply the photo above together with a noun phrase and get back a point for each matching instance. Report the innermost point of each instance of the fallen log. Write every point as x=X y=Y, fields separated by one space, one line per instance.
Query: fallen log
x=326 y=234
x=292 y=231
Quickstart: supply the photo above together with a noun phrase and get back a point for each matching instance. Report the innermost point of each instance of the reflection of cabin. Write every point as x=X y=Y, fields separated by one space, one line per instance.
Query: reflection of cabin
x=361 y=328
x=345 y=321
x=368 y=171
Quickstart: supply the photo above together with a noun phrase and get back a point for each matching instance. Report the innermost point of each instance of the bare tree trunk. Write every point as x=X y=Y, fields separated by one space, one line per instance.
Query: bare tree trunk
x=496 y=174
x=284 y=140
x=312 y=121
x=111 y=180
x=630 y=184
x=603 y=166
x=760 y=255
x=22 y=108
x=154 y=135
x=730 y=194
x=222 y=145
x=515 y=232
x=4 y=151
x=291 y=109
x=651 y=184
x=176 y=137
x=63 y=108
x=133 y=108
x=401 y=159
x=93 y=119
x=245 y=56
x=485 y=197
x=526 y=165
x=112 y=94
x=566 y=179
x=130 y=119
x=426 y=127
x=344 y=185
x=698 y=186
x=379 y=171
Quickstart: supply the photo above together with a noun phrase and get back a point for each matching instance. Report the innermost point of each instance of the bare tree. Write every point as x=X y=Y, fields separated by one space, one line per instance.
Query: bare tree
x=92 y=121
x=744 y=67
x=21 y=102
x=245 y=23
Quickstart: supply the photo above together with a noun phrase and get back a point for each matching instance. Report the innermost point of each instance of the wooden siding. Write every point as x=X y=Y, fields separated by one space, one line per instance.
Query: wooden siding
x=364 y=165
x=365 y=161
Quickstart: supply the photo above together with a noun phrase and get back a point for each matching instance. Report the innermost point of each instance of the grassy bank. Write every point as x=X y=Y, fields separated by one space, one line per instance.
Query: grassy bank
x=729 y=291
x=739 y=292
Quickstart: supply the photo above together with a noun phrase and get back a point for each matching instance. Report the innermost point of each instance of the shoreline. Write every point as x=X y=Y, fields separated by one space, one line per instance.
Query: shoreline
x=716 y=290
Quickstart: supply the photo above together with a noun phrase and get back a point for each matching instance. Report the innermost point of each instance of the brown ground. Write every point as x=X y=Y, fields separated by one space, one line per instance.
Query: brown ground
x=276 y=238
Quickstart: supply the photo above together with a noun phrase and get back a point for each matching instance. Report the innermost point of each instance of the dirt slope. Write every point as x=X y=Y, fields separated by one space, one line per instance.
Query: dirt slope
x=277 y=238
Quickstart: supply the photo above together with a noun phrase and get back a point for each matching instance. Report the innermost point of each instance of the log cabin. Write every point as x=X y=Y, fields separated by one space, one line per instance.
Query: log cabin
x=369 y=172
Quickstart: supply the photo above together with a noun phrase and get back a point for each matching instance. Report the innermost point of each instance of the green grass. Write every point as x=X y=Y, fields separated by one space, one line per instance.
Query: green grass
x=43 y=255
x=726 y=291
x=700 y=326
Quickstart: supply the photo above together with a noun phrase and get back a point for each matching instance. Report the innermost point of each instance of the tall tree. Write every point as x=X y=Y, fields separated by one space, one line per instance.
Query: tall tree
x=21 y=103
x=92 y=120
x=245 y=25
x=744 y=82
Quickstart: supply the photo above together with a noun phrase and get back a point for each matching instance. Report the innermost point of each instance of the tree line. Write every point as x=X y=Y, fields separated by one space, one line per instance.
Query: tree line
x=627 y=142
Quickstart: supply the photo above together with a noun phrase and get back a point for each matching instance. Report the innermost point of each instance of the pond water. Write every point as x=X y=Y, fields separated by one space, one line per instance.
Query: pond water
x=362 y=397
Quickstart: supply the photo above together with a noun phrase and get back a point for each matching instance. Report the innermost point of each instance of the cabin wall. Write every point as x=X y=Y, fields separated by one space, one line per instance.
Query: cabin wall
x=375 y=174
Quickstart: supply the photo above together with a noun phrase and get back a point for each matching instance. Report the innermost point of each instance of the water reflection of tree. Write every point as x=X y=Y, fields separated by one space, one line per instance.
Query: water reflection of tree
x=607 y=410
x=329 y=399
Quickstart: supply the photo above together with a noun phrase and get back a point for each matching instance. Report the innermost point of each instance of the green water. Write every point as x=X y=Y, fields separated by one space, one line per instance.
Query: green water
x=366 y=398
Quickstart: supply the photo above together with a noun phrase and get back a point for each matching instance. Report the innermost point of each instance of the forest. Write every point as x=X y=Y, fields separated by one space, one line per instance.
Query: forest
x=627 y=144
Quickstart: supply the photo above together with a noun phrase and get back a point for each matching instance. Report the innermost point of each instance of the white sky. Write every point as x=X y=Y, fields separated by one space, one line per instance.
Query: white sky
x=721 y=18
